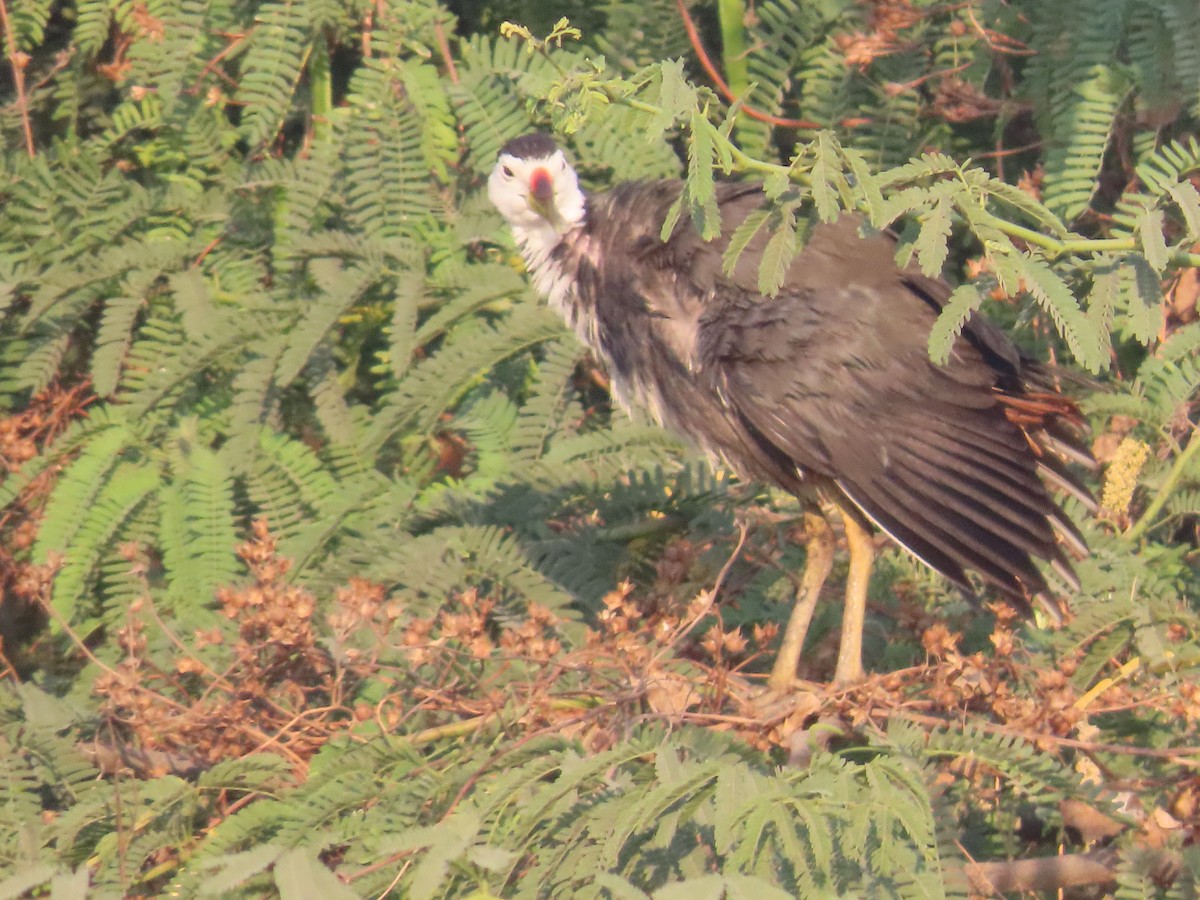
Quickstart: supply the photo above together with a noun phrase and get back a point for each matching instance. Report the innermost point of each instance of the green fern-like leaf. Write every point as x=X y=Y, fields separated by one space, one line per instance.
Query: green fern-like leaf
x=963 y=303
x=471 y=351
x=1083 y=91
x=389 y=160
x=488 y=99
x=1181 y=21
x=281 y=45
x=205 y=518
x=98 y=526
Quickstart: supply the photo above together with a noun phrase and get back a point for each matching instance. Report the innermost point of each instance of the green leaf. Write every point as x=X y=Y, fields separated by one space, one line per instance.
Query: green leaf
x=112 y=342
x=492 y=859
x=1187 y=198
x=933 y=241
x=235 y=869
x=402 y=343
x=1154 y=243
x=339 y=289
x=70 y=885
x=100 y=527
x=1105 y=293
x=672 y=218
x=706 y=887
x=619 y=888
x=443 y=844
x=775 y=184
x=1013 y=196
x=209 y=520
x=748 y=887
x=827 y=176
x=44 y=710
x=1141 y=292
x=778 y=254
x=273 y=70
x=77 y=488
x=1056 y=298
x=676 y=95
x=700 y=188
x=742 y=236
x=299 y=875
x=1083 y=126
x=867 y=186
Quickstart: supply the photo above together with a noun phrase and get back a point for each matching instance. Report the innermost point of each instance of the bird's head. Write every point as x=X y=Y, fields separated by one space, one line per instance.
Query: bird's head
x=534 y=186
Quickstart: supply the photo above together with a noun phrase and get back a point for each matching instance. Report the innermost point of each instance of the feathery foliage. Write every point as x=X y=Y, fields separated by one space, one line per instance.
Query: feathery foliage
x=248 y=275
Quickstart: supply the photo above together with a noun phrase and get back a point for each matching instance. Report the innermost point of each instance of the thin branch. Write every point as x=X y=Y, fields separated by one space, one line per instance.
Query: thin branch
x=444 y=49
x=213 y=65
x=1056 y=247
x=921 y=79
x=18 y=60
x=685 y=628
x=995 y=40
x=320 y=81
x=732 y=15
x=70 y=632
x=723 y=88
x=1007 y=151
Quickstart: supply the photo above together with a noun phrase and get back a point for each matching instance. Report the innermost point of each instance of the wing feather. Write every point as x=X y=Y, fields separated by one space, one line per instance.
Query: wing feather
x=926 y=531
x=1005 y=516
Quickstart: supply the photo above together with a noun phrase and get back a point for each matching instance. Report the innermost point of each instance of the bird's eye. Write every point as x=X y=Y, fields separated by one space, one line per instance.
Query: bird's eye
x=508 y=172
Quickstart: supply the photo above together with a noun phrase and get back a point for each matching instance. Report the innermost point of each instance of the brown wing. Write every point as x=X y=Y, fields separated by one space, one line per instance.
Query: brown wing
x=834 y=372
x=830 y=378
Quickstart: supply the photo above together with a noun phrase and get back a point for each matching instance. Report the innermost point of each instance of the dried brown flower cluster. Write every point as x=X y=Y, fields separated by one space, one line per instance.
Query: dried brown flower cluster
x=997 y=683
x=283 y=686
x=268 y=686
x=22 y=436
x=887 y=22
x=286 y=683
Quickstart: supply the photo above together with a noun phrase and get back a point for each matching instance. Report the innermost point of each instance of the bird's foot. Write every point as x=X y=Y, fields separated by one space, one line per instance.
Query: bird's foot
x=777 y=701
x=849 y=672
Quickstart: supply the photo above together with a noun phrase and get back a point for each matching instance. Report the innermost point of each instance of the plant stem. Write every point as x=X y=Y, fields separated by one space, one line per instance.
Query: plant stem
x=1182 y=461
x=750 y=164
x=320 y=82
x=1057 y=246
x=732 y=14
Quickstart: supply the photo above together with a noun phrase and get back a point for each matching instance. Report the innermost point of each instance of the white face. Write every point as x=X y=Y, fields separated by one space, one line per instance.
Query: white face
x=537 y=193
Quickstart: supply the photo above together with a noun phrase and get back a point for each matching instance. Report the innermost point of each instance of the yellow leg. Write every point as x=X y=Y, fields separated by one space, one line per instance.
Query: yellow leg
x=819 y=560
x=862 y=555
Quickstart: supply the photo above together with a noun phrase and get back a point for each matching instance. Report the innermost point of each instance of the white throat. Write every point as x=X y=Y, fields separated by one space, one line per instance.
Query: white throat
x=537 y=243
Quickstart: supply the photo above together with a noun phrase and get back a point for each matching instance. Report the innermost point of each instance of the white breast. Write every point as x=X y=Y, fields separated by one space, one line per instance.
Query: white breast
x=553 y=276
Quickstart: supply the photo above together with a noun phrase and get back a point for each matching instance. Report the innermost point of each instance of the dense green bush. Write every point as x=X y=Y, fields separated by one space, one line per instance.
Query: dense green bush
x=248 y=274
